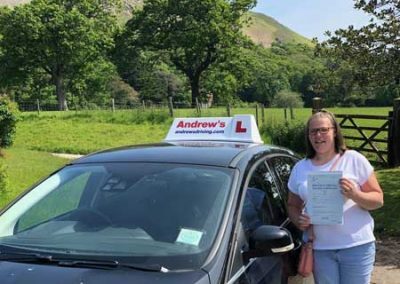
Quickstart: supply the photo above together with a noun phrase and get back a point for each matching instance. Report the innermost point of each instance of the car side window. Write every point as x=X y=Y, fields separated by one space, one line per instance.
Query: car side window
x=282 y=166
x=273 y=207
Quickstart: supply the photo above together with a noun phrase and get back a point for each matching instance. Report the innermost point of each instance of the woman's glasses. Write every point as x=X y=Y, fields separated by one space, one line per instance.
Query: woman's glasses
x=321 y=130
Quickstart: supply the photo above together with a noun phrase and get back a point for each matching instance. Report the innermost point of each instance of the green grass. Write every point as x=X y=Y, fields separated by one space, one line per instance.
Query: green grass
x=83 y=133
x=387 y=219
x=83 y=138
x=26 y=167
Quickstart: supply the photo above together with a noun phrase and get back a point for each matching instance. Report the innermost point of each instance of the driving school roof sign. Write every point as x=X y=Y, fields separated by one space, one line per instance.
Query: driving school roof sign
x=240 y=128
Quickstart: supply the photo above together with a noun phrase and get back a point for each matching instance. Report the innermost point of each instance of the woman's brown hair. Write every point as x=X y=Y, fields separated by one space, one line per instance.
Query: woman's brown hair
x=340 y=146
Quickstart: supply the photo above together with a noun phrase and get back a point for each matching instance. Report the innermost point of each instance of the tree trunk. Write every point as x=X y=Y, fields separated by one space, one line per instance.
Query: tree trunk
x=195 y=86
x=60 y=93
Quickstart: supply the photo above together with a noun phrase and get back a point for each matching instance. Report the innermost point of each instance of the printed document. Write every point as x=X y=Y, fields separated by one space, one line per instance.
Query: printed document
x=325 y=199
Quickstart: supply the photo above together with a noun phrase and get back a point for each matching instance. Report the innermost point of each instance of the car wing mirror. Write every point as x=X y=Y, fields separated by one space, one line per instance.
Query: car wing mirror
x=267 y=240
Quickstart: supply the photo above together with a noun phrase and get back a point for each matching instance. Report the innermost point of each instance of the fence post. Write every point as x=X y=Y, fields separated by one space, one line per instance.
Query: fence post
x=257 y=114
x=316 y=104
x=198 y=107
x=171 y=107
x=144 y=105
x=262 y=114
x=38 y=105
x=113 y=105
x=394 y=135
x=228 y=109
x=76 y=107
x=285 y=113
x=291 y=113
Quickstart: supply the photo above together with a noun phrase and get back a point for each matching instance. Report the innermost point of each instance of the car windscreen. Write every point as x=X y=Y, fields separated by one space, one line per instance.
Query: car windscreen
x=147 y=213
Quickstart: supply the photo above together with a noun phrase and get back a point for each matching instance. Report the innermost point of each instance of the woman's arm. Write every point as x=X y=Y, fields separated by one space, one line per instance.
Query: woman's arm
x=370 y=196
x=295 y=210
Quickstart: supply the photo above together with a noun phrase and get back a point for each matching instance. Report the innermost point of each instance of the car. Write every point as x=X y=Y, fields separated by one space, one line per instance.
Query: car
x=206 y=205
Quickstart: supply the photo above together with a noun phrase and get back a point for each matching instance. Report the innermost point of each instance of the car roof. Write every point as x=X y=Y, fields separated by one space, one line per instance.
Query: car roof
x=223 y=154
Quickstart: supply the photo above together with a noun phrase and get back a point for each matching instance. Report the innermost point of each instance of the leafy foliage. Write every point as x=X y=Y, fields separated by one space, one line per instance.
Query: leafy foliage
x=287 y=134
x=4 y=180
x=283 y=66
x=288 y=99
x=123 y=94
x=192 y=34
x=373 y=51
x=8 y=120
x=59 y=43
x=55 y=49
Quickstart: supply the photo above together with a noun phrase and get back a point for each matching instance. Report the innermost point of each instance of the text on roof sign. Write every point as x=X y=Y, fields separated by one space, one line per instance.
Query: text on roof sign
x=240 y=128
x=199 y=124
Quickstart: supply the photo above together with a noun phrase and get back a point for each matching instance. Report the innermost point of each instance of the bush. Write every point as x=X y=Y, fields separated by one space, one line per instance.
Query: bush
x=288 y=99
x=3 y=180
x=157 y=117
x=287 y=134
x=8 y=120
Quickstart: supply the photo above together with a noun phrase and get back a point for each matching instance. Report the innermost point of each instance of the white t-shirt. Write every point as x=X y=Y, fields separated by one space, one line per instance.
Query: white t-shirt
x=358 y=225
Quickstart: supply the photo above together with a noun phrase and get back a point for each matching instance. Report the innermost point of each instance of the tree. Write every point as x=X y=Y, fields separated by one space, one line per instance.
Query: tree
x=193 y=34
x=268 y=76
x=288 y=99
x=123 y=93
x=54 y=40
x=373 y=50
x=229 y=78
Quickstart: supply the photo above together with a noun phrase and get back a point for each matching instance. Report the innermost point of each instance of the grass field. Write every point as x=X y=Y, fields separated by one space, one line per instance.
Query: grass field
x=83 y=136
x=39 y=135
x=87 y=131
x=387 y=219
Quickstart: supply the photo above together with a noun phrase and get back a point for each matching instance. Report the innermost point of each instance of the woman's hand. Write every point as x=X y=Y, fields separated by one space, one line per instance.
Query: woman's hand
x=369 y=196
x=303 y=221
x=295 y=209
x=349 y=188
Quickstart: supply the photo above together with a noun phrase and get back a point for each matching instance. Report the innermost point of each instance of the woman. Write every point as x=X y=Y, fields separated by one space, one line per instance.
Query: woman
x=342 y=253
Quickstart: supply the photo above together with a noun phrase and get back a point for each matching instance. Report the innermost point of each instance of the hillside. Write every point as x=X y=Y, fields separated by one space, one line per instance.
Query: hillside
x=263 y=29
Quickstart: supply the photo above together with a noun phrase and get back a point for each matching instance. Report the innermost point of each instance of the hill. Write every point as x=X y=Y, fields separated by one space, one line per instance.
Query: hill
x=263 y=29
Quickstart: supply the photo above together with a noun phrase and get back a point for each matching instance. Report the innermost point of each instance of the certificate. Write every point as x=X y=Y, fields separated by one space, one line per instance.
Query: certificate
x=325 y=199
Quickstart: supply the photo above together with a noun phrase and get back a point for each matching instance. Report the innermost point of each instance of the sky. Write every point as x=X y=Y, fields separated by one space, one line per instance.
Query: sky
x=311 y=18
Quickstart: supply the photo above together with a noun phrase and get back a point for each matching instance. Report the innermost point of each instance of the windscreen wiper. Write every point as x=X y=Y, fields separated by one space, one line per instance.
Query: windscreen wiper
x=100 y=264
x=112 y=264
x=26 y=256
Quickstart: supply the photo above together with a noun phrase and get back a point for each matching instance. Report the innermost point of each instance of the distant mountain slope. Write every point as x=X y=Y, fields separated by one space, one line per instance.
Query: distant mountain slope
x=263 y=29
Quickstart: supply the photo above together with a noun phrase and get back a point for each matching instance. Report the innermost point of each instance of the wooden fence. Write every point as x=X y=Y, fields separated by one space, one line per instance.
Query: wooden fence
x=383 y=140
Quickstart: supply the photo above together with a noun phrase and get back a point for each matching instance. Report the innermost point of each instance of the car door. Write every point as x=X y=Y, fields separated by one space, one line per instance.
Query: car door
x=262 y=204
x=281 y=166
